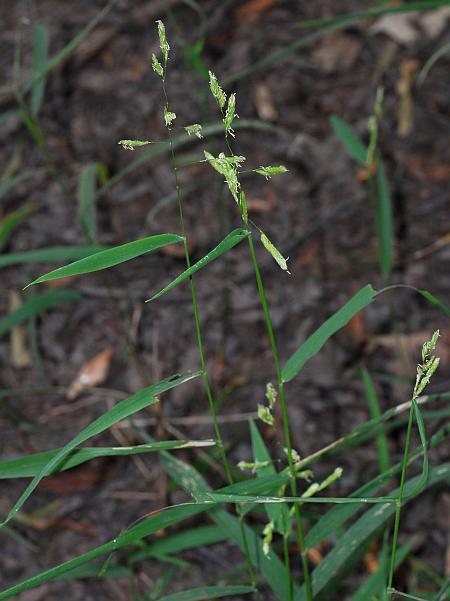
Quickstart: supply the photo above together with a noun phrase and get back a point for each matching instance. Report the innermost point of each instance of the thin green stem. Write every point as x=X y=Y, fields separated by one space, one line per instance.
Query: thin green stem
x=207 y=385
x=399 y=502
x=284 y=413
x=285 y=419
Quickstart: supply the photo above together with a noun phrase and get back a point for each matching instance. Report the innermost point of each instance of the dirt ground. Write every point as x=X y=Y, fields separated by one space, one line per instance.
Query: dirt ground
x=318 y=213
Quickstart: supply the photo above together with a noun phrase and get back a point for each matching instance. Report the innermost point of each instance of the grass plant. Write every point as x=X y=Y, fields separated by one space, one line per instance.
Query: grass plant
x=276 y=511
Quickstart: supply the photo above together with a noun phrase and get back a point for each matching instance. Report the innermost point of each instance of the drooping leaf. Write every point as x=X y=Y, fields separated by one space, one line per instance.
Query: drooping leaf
x=435 y=301
x=34 y=306
x=29 y=466
x=316 y=341
x=125 y=408
x=110 y=257
x=351 y=142
x=228 y=242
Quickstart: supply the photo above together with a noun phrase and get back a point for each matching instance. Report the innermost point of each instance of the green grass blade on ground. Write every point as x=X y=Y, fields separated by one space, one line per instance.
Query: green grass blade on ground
x=36 y=305
x=29 y=466
x=205 y=593
x=49 y=255
x=316 y=341
x=375 y=11
x=383 y=219
x=181 y=541
x=352 y=144
x=11 y=220
x=60 y=56
x=336 y=517
x=375 y=412
x=110 y=257
x=86 y=199
x=10 y=183
x=376 y=583
x=123 y=409
x=40 y=52
x=227 y=243
x=442 y=51
x=162 y=519
x=269 y=565
x=362 y=530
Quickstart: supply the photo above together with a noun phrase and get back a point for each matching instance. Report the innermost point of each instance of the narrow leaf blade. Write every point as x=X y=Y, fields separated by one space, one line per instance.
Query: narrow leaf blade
x=227 y=243
x=205 y=593
x=30 y=465
x=110 y=257
x=316 y=341
x=34 y=306
x=384 y=219
x=125 y=408
x=351 y=142
x=40 y=52
x=49 y=255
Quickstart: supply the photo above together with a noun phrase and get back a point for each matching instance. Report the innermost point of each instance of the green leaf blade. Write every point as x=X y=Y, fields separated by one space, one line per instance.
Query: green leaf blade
x=227 y=243
x=29 y=466
x=337 y=321
x=204 y=593
x=383 y=219
x=125 y=408
x=40 y=56
x=34 y=306
x=110 y=257
x=351 y=142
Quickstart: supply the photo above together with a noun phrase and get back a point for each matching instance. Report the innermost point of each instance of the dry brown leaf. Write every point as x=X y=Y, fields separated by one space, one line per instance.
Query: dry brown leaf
x=407 y=28
x=20 y=355
x=315 y=556
x=337 y=51
x=262 y=205
x=177 y=250
x=371 y=559
x=93 y=373
x=264 y=104
x=434 y=22
x=357 y=329
x=252 y=9
x=405 y=112
x=400 y=28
